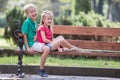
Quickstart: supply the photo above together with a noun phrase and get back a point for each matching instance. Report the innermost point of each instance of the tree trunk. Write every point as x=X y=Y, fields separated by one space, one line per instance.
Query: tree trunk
x=94 y=5
x=100 y=7
x=109 y=13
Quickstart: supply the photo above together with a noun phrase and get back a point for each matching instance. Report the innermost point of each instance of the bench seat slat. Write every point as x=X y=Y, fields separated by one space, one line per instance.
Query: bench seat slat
x=96 y=54
x=89 y=54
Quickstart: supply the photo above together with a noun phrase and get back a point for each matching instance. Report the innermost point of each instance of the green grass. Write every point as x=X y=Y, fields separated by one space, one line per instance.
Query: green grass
x=4 y=43
x=57 y=61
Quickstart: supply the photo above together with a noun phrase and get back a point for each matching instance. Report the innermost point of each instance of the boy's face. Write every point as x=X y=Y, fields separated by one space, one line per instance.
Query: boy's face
x=32 y=13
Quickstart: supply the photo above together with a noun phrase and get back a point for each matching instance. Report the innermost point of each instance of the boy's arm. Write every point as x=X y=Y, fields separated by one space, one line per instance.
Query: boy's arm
x=25 y=40
x=35 y=37
x=26 y=44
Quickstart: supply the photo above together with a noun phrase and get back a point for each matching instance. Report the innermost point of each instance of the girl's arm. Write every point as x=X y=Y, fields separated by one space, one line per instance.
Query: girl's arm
x=44 y=37
x=52 y=37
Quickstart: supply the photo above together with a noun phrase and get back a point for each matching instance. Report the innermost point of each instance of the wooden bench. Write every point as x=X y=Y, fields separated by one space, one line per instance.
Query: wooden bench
x=90 y=47
x=94 y=41
x=94 y=48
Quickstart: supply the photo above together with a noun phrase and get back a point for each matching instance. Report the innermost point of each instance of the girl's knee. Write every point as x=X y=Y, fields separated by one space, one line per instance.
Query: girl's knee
x=61 y=37
x=46 y=49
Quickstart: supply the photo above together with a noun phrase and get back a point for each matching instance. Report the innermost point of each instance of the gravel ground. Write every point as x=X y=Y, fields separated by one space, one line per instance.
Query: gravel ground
x=52 y=77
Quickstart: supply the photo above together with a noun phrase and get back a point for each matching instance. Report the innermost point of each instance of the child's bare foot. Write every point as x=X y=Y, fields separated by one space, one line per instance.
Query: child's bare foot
x=60 y=49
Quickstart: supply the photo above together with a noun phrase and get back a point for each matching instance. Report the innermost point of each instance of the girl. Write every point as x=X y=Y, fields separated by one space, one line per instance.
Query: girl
x=45 y=36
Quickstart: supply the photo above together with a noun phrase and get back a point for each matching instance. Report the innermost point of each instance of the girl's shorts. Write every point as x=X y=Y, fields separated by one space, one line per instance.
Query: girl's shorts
x=37 y=46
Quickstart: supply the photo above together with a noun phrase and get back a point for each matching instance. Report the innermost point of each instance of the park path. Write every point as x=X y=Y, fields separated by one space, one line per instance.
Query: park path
x=52 y=77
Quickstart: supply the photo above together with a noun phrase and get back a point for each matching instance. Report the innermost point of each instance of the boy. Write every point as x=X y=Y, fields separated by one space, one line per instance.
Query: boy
x=29 y=31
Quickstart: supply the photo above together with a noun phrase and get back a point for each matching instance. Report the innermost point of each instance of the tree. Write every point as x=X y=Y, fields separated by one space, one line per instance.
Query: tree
x=3 y=4
x=12 y=16
x=114 y=10
x=98 y=8
x=109 y=14
x=94 y=5
x=82 y=5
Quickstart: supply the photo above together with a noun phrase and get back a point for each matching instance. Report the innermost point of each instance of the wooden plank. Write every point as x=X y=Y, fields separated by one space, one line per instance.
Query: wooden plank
x=78 y=53
x=100 y=45
x=75 y=30
x=83 y=53
x=88 y=54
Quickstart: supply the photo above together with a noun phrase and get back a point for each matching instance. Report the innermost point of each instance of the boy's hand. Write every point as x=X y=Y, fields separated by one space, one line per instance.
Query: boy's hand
x=35 y=38
x=29 y=50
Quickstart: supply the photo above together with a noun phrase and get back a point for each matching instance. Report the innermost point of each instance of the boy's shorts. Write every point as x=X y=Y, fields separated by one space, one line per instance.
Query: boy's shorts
x=37 y=46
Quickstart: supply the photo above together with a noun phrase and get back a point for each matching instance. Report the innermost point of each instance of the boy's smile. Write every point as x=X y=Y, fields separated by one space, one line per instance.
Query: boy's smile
x=32 y=13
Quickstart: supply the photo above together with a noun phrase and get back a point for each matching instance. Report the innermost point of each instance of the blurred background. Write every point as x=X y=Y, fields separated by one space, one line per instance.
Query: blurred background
x=90 y=13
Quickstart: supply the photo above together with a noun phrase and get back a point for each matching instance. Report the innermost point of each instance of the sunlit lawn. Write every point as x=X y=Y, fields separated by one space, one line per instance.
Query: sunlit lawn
x=53 y=61
x=4 y=43
x=56 y=61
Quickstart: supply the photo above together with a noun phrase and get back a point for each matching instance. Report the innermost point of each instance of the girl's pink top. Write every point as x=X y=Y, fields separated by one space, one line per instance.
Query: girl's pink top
x=47 y=31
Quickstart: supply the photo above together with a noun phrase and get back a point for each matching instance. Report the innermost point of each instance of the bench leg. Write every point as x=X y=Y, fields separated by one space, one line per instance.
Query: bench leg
x=20 y=56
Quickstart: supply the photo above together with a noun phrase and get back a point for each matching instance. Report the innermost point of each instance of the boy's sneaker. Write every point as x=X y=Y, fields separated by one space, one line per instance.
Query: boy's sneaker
x=42 y=73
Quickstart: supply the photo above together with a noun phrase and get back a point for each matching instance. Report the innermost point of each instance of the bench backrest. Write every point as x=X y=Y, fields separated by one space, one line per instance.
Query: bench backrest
x=90 y=31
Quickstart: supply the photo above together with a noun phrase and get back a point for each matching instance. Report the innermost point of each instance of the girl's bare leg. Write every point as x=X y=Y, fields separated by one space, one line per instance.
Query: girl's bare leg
x=46 y=51
x=60 y=41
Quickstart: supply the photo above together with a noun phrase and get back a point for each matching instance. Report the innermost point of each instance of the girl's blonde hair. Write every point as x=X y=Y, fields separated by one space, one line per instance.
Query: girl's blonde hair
x=43 y=15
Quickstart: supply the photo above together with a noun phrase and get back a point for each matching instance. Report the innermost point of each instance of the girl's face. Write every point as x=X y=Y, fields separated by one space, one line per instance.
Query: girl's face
x=48 y=20
x=32 y=13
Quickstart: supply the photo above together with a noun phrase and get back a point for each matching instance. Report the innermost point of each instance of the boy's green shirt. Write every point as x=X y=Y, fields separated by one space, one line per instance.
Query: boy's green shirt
x=29 y=28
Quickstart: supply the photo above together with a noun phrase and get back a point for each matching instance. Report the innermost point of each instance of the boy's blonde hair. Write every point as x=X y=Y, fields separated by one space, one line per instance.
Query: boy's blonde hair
x=26 y=7
x=43 y=15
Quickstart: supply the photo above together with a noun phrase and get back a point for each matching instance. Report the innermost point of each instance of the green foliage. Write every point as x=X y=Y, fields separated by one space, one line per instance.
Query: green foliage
x=92 y=19
x=63 y=20
x=12 y=16
x=3 y=22
x=82 y=19
x=117 y=1
x=82 y=5
x=3 y=4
